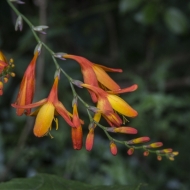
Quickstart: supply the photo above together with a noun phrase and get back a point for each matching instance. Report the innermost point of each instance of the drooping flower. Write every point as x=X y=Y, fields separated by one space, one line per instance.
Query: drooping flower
x=76 y=132
x=109 y=102
x=27 y=87
x=45 y=115
x=94 y=73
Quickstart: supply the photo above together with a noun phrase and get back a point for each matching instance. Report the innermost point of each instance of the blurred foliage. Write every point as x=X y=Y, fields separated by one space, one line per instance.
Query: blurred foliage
x=49 y=182
x=150 y=41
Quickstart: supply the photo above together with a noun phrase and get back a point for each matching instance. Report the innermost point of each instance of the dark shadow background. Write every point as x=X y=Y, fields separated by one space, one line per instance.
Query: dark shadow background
x=150 y=41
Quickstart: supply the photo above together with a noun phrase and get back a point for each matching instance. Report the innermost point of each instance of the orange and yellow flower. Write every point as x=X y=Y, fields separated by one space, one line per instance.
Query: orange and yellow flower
x=109 y=102
x=49 y=108
x=94 y=74
x=5 y=70
x=27 y=87
x=76 y=132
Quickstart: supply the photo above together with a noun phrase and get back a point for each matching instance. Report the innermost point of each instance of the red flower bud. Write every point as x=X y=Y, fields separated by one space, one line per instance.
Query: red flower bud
x=90 y=140
x=113 y=148
x=130 y=151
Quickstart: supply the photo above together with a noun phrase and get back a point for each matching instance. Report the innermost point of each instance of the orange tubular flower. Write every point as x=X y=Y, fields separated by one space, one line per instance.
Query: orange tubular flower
x=90 y=139
x=76 y=132
x=108 y=102
x=47 y=110
x=27 y=87
x=94 y=73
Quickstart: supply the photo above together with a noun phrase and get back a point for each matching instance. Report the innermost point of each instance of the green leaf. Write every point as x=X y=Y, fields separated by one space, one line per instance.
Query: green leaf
x=51 y=182
x=128 y=5
x=175 y=20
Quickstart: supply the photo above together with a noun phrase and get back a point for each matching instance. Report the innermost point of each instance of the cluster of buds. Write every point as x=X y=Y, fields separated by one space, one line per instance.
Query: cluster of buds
x=5 y=71
x=104 y=92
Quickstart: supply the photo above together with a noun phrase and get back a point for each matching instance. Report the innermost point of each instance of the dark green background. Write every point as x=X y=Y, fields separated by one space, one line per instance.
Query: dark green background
x=150 y=41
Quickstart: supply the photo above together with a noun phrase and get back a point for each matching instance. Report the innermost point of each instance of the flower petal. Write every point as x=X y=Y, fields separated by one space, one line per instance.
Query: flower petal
x=44 y=119
x=108 y=69
x=33 y=105
x=63 y=112
x=121 y=106
x=128 y=89
x=105 y=79
x=2 y=57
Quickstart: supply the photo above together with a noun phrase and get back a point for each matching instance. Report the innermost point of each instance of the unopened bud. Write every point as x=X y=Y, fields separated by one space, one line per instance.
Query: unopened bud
x=12 y=74
x=154 y=145
x=11 y=62
x=159 y=158
x=113 y=148
x=90 y=140
x=126 y=130
x=5 y=79
x=19 y=23
x=175 y=153
x=130 y=151
x=171 y=158
x=167 y=150
x=138 y=140
x=146 y=153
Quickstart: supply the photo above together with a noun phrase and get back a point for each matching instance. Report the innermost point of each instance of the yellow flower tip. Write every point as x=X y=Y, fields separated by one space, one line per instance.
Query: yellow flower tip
x=66 y=55
x=90 y=140
x=5 y=79
x=11 y=62
x=44 y=119
x=126 y=130
x=155 y=145
x=12 y=74
x=121 y=106
x=171 y=158
x=113 y=148
x=175 y=153
x=138 y=140
x=166 y=150
x=130 y=151
x=2 y=57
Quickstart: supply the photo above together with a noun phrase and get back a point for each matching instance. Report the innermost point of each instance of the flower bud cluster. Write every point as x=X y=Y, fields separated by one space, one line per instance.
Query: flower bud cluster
x=5 y=71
